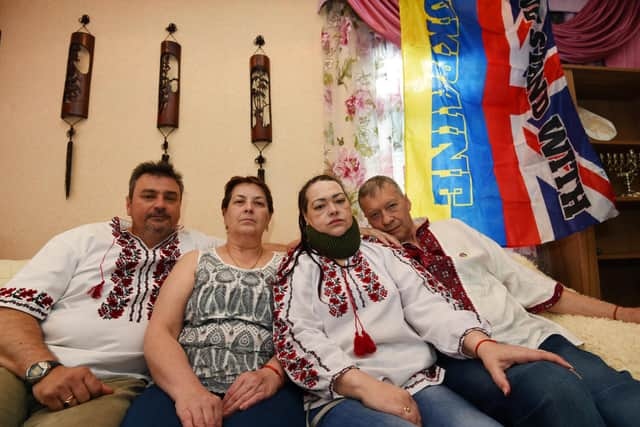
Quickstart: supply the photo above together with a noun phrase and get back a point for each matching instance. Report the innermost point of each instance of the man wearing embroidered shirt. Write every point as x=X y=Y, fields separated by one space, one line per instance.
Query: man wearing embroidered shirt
x=483 y=277
x=74 y=318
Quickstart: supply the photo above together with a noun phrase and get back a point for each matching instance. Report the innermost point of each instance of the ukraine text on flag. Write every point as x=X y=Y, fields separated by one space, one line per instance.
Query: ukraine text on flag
x=492 y=136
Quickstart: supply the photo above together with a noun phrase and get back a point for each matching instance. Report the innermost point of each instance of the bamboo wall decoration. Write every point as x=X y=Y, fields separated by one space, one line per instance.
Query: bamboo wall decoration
x=77 y=88
x=261 y=120
x=169 y=88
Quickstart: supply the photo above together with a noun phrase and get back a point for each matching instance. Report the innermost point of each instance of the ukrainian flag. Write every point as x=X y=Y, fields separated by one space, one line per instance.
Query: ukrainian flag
x=491 y=134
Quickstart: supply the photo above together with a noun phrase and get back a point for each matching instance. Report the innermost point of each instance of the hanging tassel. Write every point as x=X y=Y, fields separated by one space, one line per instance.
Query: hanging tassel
x=363 y=344
x=96 y=291
x=165 y=148
x=67 y=173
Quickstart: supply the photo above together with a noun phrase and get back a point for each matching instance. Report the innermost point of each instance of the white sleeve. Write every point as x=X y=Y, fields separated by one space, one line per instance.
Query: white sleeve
x=435 y=319
x=310 y=358
x=45 y=278
x=531 y=288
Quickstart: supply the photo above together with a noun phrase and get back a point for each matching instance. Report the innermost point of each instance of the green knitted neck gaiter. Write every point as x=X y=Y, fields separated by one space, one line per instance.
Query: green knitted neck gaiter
x=340 y=247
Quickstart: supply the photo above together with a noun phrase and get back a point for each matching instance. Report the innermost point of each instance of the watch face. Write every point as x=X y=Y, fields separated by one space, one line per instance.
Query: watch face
x=37 y=371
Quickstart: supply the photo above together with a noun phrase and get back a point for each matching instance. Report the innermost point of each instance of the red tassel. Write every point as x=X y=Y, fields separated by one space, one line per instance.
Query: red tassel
x=363 y=344
x=96 y=291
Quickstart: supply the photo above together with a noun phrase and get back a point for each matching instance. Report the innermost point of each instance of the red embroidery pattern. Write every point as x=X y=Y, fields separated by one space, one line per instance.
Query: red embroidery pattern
x=122 y=277
x=431 y=375
x=300 y=368
x=334 y=291
x=169 y=255
x=370 y=280
x=414 y=257
x=431 y=256
x=331 y=288
x=39 y=302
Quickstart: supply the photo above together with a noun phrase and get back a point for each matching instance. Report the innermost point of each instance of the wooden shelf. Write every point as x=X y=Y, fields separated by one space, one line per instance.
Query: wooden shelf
x=619 y=281
x=622 y=256
x=604 y=260
x=597 y=82
x=616 y=142
x=628 y=199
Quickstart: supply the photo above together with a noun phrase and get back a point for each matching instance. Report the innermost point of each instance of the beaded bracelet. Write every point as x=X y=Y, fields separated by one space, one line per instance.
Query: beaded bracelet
x=482 y=342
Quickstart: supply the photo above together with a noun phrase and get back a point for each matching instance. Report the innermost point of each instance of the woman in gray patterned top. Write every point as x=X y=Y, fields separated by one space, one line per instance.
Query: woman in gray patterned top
x=209 y=343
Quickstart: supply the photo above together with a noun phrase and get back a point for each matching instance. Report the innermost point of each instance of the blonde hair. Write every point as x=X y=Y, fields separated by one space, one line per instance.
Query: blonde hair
x=374 y=184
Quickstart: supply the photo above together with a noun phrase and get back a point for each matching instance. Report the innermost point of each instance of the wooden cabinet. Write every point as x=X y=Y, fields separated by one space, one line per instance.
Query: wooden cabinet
x=604 y=260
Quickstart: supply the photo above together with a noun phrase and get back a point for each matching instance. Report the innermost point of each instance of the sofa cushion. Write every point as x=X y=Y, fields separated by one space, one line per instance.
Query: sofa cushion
x=9 y=267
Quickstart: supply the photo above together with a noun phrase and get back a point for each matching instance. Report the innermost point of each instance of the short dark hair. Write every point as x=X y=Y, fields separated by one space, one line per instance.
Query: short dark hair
x=374 y=184
x=237 y=180
x=160 y=168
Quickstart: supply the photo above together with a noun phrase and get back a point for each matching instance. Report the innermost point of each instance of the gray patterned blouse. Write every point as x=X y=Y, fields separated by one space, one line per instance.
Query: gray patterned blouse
x=228 y=320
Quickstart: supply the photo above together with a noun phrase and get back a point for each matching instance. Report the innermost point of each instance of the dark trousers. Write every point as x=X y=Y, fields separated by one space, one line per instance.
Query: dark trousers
x=546 y=394
x=155 y=408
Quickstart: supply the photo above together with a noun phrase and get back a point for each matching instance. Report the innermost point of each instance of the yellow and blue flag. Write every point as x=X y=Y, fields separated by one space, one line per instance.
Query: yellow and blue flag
x=492 y=136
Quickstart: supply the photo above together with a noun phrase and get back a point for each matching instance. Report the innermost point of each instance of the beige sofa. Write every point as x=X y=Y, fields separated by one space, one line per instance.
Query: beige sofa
x=616 y=342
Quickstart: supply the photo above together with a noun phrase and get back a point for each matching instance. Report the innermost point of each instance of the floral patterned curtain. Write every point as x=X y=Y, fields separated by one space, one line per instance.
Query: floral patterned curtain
x=363 y=112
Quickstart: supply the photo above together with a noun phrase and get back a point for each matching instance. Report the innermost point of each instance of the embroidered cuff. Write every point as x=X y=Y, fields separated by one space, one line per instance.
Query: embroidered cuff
x=433 y=375
x=37 y=304
x=546 y=305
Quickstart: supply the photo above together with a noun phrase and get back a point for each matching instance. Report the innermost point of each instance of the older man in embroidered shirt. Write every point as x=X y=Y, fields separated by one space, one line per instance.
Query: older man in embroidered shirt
x=484 y=278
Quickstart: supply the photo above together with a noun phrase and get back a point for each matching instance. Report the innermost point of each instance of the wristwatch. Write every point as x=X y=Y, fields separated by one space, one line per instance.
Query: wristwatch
x=39 y=370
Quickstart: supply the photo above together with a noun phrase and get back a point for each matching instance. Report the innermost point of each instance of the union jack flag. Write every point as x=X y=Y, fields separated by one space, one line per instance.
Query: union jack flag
x=492 y=136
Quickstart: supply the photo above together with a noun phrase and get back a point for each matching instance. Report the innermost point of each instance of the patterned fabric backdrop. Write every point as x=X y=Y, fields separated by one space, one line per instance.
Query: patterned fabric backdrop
x=363 y=113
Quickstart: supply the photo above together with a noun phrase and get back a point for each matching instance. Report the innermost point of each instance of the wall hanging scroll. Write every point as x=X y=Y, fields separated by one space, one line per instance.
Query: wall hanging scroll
x=260 y=74
x=169 y=88
x=77 y=85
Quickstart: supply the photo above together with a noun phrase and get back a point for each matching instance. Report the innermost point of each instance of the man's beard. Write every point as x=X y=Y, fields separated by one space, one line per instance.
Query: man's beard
x=163 y=227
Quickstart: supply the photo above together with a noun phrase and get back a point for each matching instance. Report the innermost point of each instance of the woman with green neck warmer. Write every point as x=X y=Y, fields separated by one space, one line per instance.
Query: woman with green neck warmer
x=355 y=323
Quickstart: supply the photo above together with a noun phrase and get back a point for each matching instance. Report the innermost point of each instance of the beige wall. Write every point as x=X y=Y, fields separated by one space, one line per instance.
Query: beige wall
x=213 y=141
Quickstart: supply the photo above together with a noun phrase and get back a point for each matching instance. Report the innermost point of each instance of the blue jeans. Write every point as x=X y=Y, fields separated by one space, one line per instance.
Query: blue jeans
x=155 y=408
x=439 y=407
x=546 y=394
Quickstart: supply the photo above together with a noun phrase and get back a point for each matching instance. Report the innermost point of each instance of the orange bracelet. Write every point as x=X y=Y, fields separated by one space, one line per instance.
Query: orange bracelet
x=482 y=341
x=615 y=311
x=266 y=365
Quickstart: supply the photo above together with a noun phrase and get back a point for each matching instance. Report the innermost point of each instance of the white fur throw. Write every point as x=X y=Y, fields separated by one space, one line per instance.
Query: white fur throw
x=616 y=342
